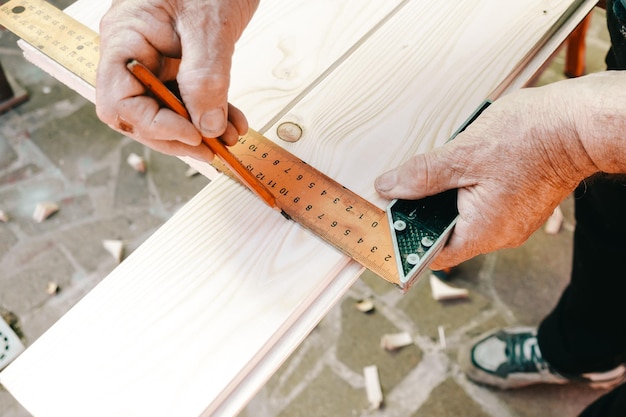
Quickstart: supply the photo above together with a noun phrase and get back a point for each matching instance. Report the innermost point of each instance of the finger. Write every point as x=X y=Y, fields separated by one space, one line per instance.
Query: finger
x=238 y=119
x=203 y=79
x=422 y=175
x=122 y=104
x=176 y=148
x=142 y=117
x=114 y=83
x=230 y=136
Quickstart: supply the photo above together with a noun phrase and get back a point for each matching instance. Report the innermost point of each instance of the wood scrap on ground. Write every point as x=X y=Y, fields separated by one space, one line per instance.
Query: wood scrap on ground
x=365 y=306
x=137 y=162
x=44 y=210
x=442 y=291
x=395 y=341
x=53 y=288
x=554 y=222
x=372 y=387
x=115 y=248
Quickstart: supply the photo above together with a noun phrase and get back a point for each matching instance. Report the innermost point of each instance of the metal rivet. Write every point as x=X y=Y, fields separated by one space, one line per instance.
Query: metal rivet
x=427 y=241
x=289 y=132
x=413 y=259
x=399 y=225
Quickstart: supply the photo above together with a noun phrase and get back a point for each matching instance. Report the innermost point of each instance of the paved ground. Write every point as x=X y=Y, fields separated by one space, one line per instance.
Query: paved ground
x=54 y=148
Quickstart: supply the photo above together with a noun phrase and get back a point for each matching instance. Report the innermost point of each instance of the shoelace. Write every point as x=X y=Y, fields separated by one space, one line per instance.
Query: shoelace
x=523 y=353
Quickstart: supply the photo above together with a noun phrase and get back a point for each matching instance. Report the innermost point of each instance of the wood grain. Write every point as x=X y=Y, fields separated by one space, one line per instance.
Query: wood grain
x=196 y=319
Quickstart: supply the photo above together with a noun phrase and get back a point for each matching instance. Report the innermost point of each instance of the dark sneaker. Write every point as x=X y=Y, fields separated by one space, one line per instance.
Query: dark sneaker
x=510 y=358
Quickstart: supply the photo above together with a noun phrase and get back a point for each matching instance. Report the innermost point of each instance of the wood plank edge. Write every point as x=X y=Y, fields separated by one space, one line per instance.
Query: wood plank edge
x=56 y=70
x=235 y=397
x=545 y=48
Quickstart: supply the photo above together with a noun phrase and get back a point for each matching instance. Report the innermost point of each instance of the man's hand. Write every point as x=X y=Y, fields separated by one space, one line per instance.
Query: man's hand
x=189 y=41
x=512 y=167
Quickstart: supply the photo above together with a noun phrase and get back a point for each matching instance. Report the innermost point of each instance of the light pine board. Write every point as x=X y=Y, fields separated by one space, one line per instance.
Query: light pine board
x=286 y=47
x=202 y=313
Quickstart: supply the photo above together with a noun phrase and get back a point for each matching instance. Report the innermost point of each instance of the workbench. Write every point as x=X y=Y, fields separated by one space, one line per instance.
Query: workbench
x=198 y=318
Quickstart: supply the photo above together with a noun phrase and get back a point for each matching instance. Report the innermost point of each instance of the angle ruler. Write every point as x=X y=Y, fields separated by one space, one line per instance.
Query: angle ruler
x=397 y=243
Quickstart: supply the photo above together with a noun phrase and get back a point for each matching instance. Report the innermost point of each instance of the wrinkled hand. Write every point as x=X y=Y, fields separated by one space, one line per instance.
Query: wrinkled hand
x=510 y=168
x=189 y=41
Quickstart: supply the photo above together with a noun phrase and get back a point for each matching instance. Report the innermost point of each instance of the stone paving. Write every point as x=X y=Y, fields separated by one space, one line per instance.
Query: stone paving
x=53 y=148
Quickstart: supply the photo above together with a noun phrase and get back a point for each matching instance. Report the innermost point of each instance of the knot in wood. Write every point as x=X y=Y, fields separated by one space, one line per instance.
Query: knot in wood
x=289 y=132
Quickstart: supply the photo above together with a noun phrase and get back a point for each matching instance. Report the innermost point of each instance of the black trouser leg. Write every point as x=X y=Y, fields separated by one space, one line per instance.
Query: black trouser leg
x=586 y=332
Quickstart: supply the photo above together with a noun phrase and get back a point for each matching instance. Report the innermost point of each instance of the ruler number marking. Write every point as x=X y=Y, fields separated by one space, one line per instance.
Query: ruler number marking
x=64 y=40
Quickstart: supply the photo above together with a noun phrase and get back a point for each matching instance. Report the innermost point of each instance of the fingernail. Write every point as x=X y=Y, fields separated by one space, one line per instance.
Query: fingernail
x=213 y=123
x=387 y=181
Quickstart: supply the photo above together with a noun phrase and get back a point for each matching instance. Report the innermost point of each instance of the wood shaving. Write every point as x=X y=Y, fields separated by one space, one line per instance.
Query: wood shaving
x=44 y=210
x=136 y=162
x=53 y=288
x=365 y=306
x=395 y=341
x=115 y=248
x=372 y=387
x=191 y=172
x=554 y=222
x=442 y=291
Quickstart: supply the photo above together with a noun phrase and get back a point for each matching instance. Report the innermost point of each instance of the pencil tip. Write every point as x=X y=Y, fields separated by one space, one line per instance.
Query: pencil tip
x=285 y=215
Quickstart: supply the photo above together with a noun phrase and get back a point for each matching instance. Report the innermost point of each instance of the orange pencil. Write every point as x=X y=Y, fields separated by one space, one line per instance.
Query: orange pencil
x=156 y=87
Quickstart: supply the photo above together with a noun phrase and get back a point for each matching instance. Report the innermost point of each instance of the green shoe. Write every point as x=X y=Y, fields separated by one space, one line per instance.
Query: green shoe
x=510 y=358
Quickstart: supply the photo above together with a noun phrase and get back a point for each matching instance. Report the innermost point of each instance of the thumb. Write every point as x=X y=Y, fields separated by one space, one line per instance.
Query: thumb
x=204 y=76
x=421 y=176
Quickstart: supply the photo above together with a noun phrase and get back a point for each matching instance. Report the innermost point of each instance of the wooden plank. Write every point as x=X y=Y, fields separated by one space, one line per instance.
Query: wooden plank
x=202 y=313
x=291 y=45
